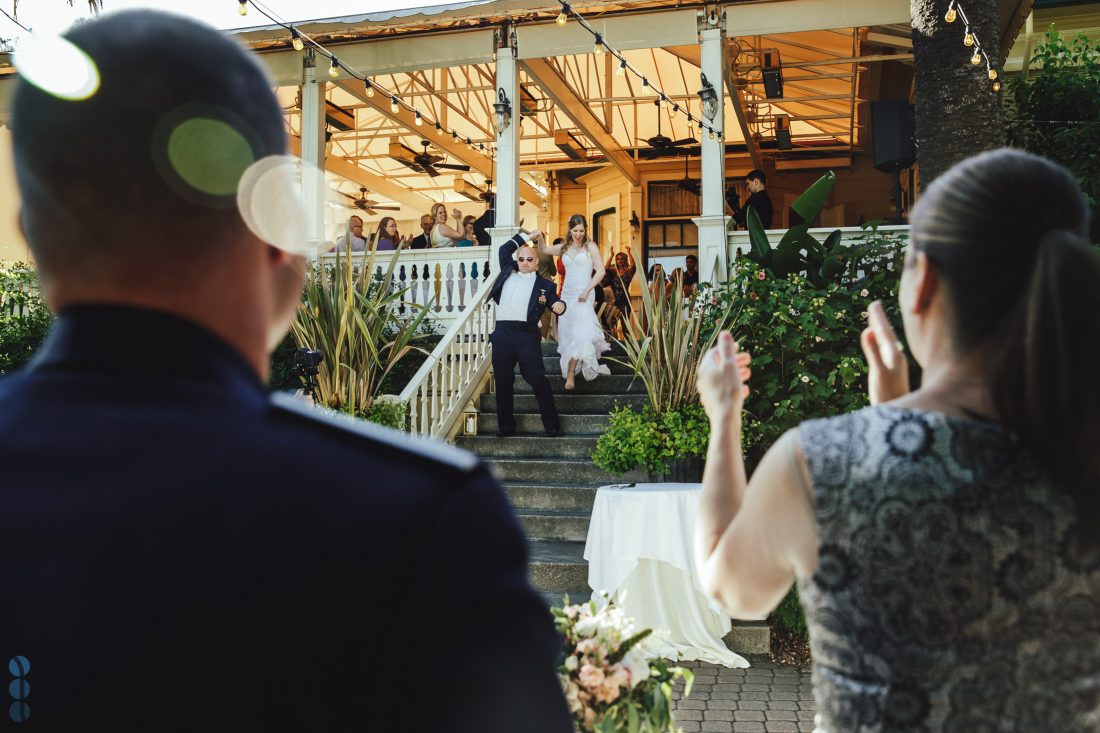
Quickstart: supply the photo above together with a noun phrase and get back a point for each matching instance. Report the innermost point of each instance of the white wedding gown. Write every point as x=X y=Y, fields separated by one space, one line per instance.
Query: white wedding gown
x=579 y=334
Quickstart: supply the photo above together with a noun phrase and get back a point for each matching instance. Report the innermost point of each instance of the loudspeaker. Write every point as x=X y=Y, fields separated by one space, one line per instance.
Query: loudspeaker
x=783 y=132
x=894 y=131
x=772 y=70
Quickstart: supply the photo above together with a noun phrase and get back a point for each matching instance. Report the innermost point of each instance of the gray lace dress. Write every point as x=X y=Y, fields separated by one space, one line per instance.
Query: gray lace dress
x=951 y=593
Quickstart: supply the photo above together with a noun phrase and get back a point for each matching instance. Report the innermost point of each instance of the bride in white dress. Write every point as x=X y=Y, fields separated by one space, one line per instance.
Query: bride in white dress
x=581 y=340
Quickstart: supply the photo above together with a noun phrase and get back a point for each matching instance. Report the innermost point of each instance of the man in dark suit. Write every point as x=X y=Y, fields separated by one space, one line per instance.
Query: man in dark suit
x=521 y=297
x=423 y=240
x=758 y=200
x=183 y=550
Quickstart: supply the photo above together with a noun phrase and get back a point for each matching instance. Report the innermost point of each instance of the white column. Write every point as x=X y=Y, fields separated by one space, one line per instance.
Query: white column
x=313 y=155
x=507 y=173
x=713 y=223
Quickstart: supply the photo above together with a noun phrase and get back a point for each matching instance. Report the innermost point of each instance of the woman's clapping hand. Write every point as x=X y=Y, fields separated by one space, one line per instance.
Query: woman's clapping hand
x=722 y=378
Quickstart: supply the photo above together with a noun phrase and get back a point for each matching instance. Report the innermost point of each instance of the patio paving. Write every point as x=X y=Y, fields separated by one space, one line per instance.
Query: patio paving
x=765 y=698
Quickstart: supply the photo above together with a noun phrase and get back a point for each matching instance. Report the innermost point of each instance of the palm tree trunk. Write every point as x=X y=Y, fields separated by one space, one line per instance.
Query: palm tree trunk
x=958 y=113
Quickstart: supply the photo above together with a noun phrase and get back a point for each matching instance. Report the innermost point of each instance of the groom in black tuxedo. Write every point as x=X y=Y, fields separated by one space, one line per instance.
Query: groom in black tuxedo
x=521 y=297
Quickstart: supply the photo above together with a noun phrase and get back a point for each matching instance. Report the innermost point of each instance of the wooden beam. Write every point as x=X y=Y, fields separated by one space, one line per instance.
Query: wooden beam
x=377 y=184
x=884 y=39
x=478 y=163
x=576 y=109
x=813 y=163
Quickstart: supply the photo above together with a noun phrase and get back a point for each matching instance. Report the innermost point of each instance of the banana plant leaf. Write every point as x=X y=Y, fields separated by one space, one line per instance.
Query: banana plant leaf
x=761 y=248
x=813 y=198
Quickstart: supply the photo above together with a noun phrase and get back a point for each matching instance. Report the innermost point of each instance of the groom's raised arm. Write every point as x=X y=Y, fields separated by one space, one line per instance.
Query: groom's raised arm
x=509 y=248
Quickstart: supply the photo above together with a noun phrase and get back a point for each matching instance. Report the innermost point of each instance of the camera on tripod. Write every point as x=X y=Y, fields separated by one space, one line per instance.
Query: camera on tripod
x=306 y=362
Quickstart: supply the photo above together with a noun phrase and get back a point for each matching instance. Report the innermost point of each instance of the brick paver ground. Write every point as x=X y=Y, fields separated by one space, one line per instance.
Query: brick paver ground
x=765 y=698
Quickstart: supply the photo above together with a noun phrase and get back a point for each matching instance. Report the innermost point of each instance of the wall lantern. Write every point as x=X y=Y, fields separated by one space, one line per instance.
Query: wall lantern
x=502 y=116
x=709 y=97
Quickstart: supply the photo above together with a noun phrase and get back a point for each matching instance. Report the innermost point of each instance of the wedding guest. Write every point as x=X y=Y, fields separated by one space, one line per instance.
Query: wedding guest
x=758 y=200
x=424 y=239
x=185 y=550
x=469 y=238
x=442 y=234
x=388 y=237
x=945 y=541
x=623 y=269
x=691 y=274
x=355 y=229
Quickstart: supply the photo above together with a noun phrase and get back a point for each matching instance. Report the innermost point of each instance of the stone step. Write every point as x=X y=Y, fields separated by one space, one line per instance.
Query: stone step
x=531 y=424
x=552 y=365
x=554 y=599
x=555 y=524
x=573 y=471
x=550 y=348
x=558 y=566
x=749 y=637
x=568 y=497
x=532 y=446
x=574 y=404
x=614 y=384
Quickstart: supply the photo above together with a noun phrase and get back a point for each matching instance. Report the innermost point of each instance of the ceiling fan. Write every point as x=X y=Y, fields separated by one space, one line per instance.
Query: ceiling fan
x=366 y=205
x=687 y=183
x=662 y=144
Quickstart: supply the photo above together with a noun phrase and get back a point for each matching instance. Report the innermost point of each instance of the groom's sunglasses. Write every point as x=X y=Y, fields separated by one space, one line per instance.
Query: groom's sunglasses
x=526 y=259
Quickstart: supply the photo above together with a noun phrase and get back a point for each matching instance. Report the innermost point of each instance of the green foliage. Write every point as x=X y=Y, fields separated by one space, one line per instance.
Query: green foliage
x=1055 y=113
x=798 y=252
x=281 y=375
x=652 y=442
x=24 y=317
x=389 y=413
x=804 y=339
x=353 y=316
x=788 y=614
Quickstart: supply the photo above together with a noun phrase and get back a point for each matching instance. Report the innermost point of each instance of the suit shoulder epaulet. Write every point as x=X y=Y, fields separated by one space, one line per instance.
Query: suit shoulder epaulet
x=421 y=449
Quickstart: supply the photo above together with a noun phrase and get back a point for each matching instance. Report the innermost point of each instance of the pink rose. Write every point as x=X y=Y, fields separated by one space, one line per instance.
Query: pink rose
x=608 y=690
x=591 y=677
x=760 y=275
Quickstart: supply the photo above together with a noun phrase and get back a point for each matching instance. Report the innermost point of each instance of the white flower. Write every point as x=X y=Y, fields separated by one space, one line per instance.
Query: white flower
x=805 y=379
x=864 y=293
x=587 y=626
x=571 y=663
x=636 y=663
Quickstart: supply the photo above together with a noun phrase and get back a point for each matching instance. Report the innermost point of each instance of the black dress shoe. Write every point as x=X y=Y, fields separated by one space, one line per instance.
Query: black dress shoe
x=506 y=433
x=555 y=433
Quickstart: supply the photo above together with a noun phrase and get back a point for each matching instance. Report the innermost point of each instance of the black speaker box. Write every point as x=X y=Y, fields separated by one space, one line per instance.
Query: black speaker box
x=894 y=134
x=783 y=132
x=773 y=83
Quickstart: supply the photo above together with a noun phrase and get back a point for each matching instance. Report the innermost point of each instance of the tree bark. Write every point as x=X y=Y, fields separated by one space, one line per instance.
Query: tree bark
x=957 y=112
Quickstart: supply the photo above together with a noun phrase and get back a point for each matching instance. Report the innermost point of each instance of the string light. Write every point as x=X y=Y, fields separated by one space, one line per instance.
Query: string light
x=296 y=40
x=563 y=17
x=621 y=71
x=394 y=106
x=951 y=14
x=243 y=9
x=996 y=86
x=598 y=50
x=645 y=82
x=968 y=39
x=368 y=87
x=992 y=74
x=418 y=120
x=334 y=68
x=976 y=58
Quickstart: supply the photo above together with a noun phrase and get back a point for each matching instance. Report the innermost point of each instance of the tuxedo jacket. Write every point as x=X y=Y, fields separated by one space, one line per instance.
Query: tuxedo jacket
x=543 y=295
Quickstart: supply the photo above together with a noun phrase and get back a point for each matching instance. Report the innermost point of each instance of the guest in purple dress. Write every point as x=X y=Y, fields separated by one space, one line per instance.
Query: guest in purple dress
x=388 y=238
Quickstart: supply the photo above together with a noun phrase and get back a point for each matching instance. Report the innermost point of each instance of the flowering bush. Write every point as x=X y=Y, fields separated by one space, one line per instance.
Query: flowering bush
x=614 y=678
x=804 y=340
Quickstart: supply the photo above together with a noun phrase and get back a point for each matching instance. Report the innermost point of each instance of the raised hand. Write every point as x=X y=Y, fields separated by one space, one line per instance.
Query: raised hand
x=888 y=368
x=722 y=377
x=456 y=214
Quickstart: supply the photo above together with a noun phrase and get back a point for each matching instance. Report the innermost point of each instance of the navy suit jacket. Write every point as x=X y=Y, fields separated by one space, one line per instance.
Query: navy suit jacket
x=543 y=295
x=184 y=551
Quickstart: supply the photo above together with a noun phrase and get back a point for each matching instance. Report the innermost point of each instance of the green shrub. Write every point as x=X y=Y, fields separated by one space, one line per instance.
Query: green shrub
x=24 y=317
x=640 y=439
x=390 y=413
x=788 y=614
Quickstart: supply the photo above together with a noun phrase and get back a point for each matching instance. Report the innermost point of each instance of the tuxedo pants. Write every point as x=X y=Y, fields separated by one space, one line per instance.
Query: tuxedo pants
x=516 y=342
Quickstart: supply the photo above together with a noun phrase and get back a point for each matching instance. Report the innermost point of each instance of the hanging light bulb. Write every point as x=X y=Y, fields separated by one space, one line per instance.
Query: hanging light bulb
x=992 y=74
x=712 y=134
x=243 y=9
x=334 y=68
x=968 y=39
x=438 y=129
x=645 y=82
x=621 y=71
x=598 y=50
x=976 y=58
x=563 y=17
x=296 y=40
x=394 y=106
x=996 y=86
x=454 y=136
x=951 y=14
x=418 y=119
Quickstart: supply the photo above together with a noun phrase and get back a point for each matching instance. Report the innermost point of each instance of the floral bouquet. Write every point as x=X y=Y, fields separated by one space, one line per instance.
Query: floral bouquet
x=615 y=678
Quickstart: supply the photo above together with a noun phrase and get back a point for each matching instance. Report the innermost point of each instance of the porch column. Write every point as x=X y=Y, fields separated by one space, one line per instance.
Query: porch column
x=313 y=154
x=713 y=222
x=507 y=159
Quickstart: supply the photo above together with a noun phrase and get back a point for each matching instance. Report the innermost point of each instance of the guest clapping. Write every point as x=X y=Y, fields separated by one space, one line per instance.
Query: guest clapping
x=944 y=540
x=442 y=234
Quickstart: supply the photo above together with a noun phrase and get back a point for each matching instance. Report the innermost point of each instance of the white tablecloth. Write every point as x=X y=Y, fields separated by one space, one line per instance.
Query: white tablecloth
x=639 y=550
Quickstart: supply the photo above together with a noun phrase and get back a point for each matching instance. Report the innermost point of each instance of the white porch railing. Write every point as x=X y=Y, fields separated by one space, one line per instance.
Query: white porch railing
x=448 y=278
x=449 y=377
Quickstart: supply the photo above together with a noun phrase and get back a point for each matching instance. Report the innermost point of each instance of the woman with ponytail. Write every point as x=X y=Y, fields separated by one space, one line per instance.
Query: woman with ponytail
x=945 y=541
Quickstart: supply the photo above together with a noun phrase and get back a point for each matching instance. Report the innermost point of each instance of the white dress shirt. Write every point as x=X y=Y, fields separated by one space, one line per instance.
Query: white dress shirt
x=516 y=296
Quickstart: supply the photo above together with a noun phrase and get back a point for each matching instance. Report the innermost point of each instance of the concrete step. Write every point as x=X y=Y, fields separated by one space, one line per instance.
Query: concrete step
x=558 y=566
x=613 y=384
x=575 y=404
x=749 y=637
x=530 y=446
x=573 y=471
x=568 y=497
x=554 y=599
x=531 y=424
x=555 y=524
x=552 y=365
